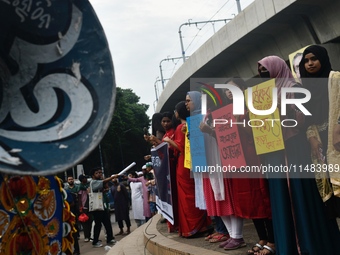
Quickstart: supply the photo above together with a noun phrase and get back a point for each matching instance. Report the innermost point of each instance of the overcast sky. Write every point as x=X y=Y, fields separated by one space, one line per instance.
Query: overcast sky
x=141 y=33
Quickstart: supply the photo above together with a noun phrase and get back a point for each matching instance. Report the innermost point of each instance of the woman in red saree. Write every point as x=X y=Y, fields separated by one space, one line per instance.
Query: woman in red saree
x=244 y=198
x=191 y=220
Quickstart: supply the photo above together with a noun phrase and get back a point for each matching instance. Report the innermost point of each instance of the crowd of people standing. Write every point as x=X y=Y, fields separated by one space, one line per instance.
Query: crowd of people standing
x=134 y=191
x=291 y=214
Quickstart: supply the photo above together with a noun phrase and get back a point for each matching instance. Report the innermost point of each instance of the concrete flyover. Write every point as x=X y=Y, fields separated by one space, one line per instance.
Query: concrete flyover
x=266 y=27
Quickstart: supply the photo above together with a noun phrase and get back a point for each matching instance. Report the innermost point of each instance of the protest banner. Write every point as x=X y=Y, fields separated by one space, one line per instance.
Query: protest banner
x=161 y=166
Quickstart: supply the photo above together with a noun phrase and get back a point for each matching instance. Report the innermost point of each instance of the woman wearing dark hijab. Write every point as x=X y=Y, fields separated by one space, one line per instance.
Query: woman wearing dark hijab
x=322 y=82
x=315 y=64
x=299 y=218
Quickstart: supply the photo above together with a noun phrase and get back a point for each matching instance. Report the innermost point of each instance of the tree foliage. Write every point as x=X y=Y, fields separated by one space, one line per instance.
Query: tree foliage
x=123 y=142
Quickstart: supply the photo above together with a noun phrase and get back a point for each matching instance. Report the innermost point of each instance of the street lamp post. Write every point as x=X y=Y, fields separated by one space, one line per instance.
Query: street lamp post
x=194 y=23
x=160 y=68
x=157 y=91
x=154 y=106
x=156 y=88
x=238 y=6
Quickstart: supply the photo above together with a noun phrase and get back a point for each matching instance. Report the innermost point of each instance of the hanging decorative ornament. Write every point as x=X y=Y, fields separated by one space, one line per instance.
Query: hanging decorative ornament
x=34 y=216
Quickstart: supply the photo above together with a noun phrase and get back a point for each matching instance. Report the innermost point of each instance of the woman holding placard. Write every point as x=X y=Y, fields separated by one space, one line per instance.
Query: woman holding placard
x=191 y=220
x=299 y=220
x=246 y=196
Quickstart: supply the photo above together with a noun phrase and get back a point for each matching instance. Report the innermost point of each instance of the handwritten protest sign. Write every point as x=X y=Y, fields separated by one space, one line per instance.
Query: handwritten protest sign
x=267 y=130
x=187 y=155
x=228 y=138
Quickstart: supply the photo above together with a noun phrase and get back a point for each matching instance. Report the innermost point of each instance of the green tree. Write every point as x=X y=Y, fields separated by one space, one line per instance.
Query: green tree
x=123 y=142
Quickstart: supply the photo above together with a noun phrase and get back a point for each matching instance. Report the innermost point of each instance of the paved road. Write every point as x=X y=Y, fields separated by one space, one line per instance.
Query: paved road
x=87 y=249
x=249 y=235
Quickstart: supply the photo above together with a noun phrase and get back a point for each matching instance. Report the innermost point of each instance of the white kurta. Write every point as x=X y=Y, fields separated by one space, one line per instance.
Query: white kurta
x=137 y=200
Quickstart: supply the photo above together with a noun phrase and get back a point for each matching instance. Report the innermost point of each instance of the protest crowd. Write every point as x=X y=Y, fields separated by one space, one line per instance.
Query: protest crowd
x=209 y=169
x=293 y=208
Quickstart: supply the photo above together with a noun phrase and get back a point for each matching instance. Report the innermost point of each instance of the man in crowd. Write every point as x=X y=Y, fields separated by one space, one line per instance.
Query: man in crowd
x=73 y=189
x=98 y=185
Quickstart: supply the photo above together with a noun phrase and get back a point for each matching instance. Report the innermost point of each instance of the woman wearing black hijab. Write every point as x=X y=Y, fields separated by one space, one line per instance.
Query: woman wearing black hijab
x=318 y=77
x=315 y=64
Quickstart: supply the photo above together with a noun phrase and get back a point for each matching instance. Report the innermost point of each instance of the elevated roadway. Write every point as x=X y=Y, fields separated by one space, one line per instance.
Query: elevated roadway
x=266 y=27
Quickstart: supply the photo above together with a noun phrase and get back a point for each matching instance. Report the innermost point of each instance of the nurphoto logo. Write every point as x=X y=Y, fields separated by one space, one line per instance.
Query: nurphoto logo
x=238 y=105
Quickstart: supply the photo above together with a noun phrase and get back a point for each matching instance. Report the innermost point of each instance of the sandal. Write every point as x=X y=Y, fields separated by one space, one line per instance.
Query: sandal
x=234 y=244
x=219 y=238
x=211 y=236
x=221 y=245
x=266 y=250
x=253 y=251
